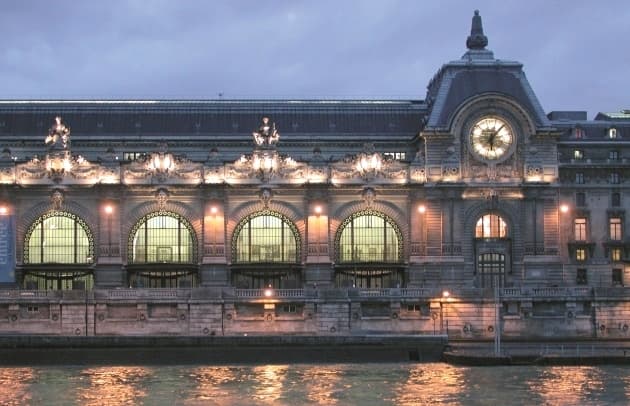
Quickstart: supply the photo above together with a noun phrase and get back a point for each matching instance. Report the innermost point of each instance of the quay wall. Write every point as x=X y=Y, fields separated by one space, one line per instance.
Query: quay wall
x=473 y=314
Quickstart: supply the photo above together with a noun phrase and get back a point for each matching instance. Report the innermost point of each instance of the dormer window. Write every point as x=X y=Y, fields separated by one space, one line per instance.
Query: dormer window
x=578 y=133
x=612 y=133
x=613 y=155
x=614 y=178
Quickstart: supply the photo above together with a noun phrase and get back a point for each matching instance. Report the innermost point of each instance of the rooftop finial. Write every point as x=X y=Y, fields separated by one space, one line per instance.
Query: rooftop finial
x=476 y=40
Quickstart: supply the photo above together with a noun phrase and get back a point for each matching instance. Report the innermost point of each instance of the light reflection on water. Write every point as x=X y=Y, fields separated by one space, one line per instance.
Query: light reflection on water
x=566 y=385
x=311 y=384
x=112 y=385
x=14 y=385
x=421 y=384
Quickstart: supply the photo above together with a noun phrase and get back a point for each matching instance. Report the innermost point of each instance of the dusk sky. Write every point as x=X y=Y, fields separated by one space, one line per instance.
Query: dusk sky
x=576 y=53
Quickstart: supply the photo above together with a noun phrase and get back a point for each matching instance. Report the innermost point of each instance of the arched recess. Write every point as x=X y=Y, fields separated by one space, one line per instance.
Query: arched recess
x=30 y=215
x=369 y=251
x=162 y=252
x=266 y=251
x=289 y=211
x=492 y=105
x=58 y=253
x=185 y=211
x=388 y=209
x=493 y=234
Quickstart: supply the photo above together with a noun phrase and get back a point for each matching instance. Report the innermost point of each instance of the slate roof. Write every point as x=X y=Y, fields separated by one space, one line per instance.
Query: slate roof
x=620 y=115
x=208 y=118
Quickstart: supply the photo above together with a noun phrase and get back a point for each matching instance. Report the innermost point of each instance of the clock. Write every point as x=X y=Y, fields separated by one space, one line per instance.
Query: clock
x=491 y=138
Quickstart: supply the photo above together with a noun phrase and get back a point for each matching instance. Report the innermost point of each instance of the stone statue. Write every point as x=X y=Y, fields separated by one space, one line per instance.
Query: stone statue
x=58 y=138
x=266 y=134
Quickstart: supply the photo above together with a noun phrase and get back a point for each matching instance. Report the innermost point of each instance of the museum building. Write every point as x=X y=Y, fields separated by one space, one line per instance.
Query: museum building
x=473 y=187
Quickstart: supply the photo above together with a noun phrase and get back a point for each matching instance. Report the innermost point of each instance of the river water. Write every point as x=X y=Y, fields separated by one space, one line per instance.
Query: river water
x=303 y=384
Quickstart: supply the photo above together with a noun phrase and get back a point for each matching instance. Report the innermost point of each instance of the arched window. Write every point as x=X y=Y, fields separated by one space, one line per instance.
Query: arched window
x=162 y=237
x=491 y=226
x=58 y=238
x=58 y=253
x=369 y=236
x=266 y=237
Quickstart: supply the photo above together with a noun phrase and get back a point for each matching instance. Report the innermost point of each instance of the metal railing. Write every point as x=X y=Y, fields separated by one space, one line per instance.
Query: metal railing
x=324 y=293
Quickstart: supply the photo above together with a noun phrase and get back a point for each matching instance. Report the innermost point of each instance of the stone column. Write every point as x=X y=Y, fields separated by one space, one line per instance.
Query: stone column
x=214 y=269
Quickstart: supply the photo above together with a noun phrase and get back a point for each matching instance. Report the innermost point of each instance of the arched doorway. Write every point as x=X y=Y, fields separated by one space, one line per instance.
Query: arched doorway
x=266 y=252
x=58 y=253
x=368 y=250
x=492 y=250
x=162 y=252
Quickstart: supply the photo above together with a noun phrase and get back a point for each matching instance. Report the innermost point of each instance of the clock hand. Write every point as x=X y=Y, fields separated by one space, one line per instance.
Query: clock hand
x=491 y=138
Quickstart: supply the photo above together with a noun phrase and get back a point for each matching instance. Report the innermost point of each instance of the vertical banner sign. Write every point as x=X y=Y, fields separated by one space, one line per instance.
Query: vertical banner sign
x=7 y=250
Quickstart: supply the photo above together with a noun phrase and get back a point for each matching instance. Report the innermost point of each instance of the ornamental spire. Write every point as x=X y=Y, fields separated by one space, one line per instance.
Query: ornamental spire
x=476 y=40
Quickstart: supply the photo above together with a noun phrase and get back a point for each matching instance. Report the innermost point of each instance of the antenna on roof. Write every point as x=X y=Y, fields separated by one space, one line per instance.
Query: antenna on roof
x=220 y=95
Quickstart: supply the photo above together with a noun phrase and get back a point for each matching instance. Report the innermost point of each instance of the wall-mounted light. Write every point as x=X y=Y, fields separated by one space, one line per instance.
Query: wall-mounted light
x=564 y=208
x=318 y=210
x=214 y=210
x=109 y=209
x=422 y=209
x=3 y=211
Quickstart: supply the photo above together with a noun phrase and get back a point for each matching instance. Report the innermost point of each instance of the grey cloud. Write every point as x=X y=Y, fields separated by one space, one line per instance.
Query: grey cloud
x=573 y=52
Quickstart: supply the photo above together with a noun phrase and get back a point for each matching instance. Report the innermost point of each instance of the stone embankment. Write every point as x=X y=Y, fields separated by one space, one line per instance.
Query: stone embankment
x=34 y=350
x=587 y=352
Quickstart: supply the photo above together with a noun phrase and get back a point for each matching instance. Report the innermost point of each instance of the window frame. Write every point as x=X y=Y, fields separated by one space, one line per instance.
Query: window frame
x=284 y=221
x=580 y=229
x=182 y=222
x=387 y=222
x=38 y=224
x=615 y=228
x=482 y=225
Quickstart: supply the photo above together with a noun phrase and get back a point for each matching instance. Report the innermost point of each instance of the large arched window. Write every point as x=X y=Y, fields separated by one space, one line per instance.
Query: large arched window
x=369 y=236
x=58 y=238
x=58 y=253
x=266 y=237
x=490 y=226
x=162 y=237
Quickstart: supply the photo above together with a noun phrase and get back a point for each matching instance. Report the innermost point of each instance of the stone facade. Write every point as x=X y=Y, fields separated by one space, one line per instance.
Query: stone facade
x=207 y=217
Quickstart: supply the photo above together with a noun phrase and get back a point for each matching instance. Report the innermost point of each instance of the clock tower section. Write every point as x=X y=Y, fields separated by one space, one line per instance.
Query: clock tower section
x=490 y=160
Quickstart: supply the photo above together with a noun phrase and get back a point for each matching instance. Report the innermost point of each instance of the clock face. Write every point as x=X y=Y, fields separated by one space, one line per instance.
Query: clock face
x=491 y=138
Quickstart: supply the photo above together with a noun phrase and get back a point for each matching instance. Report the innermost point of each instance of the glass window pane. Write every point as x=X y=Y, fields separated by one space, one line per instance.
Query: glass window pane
x=60 y=238
x=490 y=226
x=163 y=238
x=369 y=238
x=266 y=238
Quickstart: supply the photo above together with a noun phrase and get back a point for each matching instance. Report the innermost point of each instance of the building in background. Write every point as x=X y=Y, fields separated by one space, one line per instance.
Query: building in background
x=472 y=188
